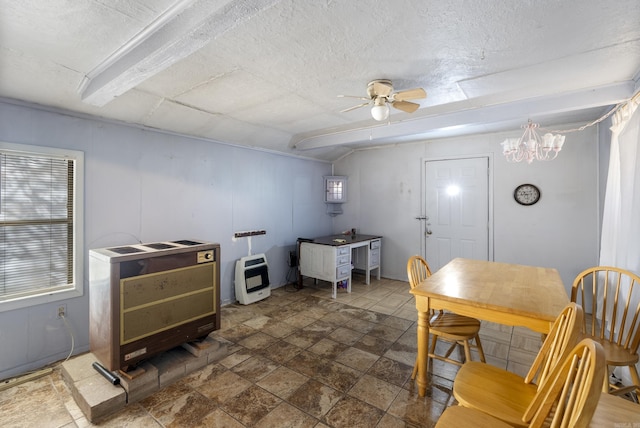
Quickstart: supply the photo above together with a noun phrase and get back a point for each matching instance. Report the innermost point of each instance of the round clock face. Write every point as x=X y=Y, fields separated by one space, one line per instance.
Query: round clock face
x=526 y=194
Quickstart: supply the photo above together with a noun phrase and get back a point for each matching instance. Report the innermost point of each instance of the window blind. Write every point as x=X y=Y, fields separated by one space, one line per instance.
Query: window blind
x=36 y=224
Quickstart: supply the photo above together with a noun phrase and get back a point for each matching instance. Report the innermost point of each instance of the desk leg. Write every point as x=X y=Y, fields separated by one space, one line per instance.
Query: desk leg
x=423 y=347
x=367 y=269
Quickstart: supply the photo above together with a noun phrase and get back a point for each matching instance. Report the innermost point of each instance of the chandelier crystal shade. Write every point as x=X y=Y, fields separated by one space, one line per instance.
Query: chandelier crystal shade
x=532 y=146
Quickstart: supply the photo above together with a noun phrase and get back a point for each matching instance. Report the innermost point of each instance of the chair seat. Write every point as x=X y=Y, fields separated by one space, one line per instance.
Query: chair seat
x=458 y=416
x=614 y=354
x=490 y=389
x=454 y=326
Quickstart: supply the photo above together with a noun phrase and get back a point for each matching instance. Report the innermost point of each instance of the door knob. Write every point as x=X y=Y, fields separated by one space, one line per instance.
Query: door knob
x=428 y=232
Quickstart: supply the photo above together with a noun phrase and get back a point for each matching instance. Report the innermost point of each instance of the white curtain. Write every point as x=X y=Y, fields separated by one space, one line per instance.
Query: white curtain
x=620 y=241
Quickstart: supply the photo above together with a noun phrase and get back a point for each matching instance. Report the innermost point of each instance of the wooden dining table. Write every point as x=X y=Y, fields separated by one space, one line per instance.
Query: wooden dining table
x=503 y=293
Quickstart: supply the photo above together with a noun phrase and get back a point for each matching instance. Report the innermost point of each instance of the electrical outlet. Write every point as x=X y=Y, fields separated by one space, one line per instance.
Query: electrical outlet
x=62 y=310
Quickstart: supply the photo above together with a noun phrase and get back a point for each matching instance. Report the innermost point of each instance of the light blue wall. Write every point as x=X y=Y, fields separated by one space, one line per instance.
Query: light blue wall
x=151 y=186
x=142 y=185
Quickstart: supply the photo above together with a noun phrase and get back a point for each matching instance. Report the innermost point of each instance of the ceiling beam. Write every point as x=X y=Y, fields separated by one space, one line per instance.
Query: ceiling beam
x=183 y=29
x=469 y=117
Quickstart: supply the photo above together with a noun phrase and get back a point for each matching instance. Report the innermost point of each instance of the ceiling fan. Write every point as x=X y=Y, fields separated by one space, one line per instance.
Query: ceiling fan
x=380 y=95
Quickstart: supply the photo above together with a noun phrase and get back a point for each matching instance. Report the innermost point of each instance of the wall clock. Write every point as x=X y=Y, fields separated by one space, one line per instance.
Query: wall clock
x=526 y=194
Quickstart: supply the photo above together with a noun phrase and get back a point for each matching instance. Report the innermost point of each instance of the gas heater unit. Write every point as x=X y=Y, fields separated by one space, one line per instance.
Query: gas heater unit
x=252 y=279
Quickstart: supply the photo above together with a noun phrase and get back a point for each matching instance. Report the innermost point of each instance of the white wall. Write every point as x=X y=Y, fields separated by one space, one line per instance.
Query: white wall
x=560 y=231
x=148 y=186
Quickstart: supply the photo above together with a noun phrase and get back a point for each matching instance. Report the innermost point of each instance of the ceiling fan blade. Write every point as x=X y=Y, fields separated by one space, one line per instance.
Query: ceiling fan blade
x=405 y=106
x=354 y=107
x=410 y=94
x=382 y=89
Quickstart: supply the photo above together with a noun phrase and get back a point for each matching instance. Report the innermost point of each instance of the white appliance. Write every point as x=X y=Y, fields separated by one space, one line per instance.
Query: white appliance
x=252 y=279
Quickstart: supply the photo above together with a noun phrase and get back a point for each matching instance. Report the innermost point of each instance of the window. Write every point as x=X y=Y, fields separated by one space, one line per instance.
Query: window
x=40 y=225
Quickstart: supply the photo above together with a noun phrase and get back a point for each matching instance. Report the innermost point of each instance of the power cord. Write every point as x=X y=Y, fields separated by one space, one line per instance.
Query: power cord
x=73 y=341
x=291 y=279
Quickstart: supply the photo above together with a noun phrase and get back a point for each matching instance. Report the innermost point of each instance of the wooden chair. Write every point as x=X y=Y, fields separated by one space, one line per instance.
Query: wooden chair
x=452 y=328
x=568 y=398
x=505 y=395
x=607 y=294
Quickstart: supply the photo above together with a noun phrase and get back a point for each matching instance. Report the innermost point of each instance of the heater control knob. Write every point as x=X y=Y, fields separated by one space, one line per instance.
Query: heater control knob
x=205 y=256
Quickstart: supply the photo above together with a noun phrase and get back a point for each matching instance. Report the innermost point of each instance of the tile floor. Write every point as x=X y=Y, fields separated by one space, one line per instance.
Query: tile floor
x=296 y=359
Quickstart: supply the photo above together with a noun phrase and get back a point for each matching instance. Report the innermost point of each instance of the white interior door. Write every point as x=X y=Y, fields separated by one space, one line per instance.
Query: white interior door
x=456 y=195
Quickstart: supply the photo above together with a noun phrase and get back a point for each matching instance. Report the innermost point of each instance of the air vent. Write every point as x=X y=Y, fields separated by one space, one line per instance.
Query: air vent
x=159 y=246
x=125 y=250
x=187 y=242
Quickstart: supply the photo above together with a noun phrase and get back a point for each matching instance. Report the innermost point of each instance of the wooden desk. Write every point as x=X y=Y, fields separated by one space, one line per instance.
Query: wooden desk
x=503 y=293
x=615 y=412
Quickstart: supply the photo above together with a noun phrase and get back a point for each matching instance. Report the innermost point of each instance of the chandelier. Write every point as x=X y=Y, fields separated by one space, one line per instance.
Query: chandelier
x=531 y=146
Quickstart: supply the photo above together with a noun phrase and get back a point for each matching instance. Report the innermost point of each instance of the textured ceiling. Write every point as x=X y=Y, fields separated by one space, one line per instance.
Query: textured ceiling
x=266 y=73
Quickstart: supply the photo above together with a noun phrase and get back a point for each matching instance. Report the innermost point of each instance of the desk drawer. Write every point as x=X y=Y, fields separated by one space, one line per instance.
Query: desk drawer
x=341 y=251
x=375 y=244
x=343 y=271
x=343 y=260
x=375 y=258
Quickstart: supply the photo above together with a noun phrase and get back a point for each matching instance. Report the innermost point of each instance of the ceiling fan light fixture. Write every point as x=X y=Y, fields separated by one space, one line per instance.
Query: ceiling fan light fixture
x=380 y=96
x=380 y=110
